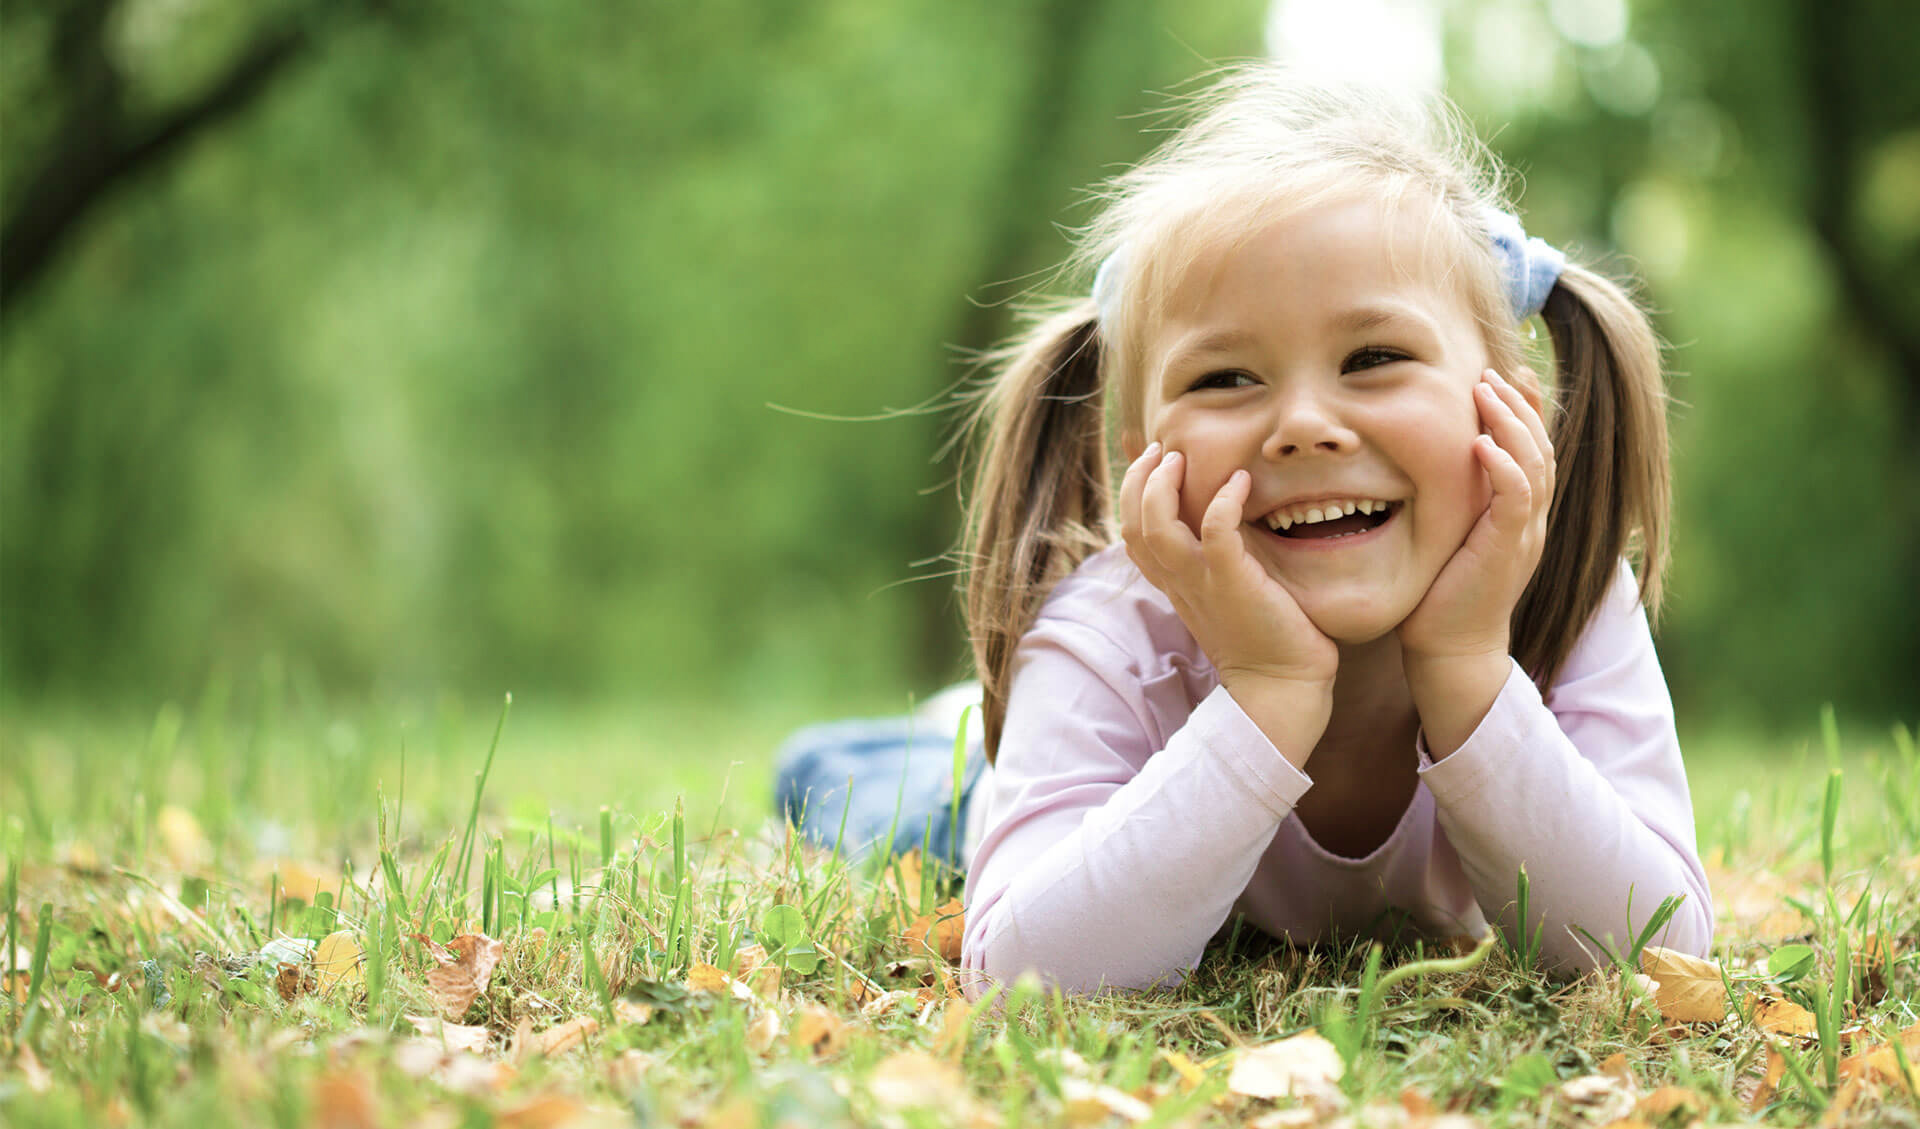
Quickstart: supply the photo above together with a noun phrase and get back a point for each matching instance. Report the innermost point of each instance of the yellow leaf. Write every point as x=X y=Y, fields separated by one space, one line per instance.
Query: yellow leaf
x=1783 y=1017
x=1879 y=1061
x=1763 y=1093
x=1303 y=1064
x=1688 y=989
x=707 y=978
x=1191 y=1076
x=1670 y=1102
x=180 y=835
x=336 y=962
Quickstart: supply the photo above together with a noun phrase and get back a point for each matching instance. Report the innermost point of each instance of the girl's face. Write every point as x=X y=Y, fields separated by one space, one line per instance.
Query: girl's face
x=1327 y=357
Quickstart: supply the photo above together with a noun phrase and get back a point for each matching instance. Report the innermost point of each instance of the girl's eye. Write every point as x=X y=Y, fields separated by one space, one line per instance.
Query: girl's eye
x=1371 y=356
x=1227 y=379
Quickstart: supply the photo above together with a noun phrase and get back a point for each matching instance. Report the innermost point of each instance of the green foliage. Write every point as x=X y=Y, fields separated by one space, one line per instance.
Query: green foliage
x=448 y=361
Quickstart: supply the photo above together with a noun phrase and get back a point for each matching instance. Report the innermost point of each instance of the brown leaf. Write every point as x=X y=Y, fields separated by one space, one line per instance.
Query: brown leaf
x=453 y=1036
x=344 y=1101
x=291 y=981
x=1296 y=1066
x=1783 y=1017
x=1600 y=1097
x=563 y=1037
x=629 y=1070
x=336 y=962
x=1843 y=1100
x=820 y=1031
x=955 y=1025
x=466 y=966
x=1689 y=990
x=550 y=1111
x=1670 y=1102
x=1191 y=1076
x=940 y=931
x=1617 y=1066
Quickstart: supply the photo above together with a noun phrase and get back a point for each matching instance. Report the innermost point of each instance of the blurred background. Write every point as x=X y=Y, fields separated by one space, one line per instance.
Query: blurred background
x=412 y=349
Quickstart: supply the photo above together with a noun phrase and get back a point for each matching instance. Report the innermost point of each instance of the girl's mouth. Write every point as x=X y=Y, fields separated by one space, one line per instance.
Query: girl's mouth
x=1329 y=521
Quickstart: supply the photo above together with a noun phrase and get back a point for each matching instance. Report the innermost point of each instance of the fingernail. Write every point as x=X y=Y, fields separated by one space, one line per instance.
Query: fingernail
x=1153 y=449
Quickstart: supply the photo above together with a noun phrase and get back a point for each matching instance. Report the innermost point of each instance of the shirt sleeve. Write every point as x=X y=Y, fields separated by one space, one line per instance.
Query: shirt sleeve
x=1588 y=793
x=1110 y=861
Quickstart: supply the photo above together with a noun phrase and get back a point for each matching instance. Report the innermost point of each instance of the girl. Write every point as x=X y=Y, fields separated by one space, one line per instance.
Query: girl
x=1368 y=643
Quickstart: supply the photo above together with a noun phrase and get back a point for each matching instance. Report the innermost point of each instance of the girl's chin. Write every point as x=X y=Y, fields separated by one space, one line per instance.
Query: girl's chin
x=1351 y=626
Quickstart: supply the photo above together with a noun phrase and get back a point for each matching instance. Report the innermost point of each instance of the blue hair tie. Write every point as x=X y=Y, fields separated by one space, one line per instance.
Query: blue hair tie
x=1529 y=266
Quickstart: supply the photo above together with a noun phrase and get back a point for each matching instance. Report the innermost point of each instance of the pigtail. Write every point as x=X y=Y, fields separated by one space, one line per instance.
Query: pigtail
x=1612 y=491
x=1040 y=504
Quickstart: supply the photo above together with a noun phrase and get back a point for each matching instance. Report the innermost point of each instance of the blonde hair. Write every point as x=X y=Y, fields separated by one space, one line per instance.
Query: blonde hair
x=1264 y=142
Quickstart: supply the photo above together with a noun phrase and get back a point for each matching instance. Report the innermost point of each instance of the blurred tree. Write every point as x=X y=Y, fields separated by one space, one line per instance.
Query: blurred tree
x=98 y=137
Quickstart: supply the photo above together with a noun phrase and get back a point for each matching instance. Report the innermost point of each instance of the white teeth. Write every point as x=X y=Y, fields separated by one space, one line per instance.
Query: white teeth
x=1325 y=511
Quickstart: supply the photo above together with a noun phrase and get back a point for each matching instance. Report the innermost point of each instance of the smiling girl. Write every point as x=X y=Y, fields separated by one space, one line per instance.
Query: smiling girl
x=1368 y=640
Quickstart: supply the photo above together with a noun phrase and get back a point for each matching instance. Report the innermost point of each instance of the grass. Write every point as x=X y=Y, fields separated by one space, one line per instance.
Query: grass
x=623 y=860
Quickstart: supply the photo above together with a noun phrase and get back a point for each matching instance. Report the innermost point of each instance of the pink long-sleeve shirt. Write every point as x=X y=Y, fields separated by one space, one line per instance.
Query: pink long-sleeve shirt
x=1133 y=806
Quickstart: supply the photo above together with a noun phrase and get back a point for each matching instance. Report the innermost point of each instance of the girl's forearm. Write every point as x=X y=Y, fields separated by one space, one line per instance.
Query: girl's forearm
x=1452 y=695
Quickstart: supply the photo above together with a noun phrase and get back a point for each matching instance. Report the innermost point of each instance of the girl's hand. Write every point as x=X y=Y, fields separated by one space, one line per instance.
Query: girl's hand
x=1456 y=643
x=1277 y=665
x=1468 y=610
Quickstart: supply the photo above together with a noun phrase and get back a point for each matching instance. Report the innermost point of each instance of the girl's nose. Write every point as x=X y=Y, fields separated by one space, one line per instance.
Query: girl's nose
x=1306 y=422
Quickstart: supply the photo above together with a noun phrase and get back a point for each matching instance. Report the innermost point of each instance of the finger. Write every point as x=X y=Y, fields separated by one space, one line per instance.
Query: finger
x=1132 y=486
x=1165 y=536
x=1220 y=525
x=1512 y=504
x=1511 y=432
x=1528 y=408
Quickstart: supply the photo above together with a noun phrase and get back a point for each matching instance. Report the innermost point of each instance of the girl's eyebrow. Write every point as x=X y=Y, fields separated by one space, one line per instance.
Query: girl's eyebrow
x=1360 y=319
x=1213 y=341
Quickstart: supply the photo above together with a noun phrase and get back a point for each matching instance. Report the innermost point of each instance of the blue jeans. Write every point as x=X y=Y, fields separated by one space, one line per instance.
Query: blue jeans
x=883 y=783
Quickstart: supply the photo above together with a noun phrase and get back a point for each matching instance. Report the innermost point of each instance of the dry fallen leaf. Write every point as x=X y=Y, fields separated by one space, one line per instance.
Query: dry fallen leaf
x=762 y=1030
x=707 y=978
x=1880 y=1062
x=821 y=1031
x=1783 y=1017
x=629 y=1069
x=453 y=1036
x=292 y=980
x=551 y=1111
x=1091 y=1103
x=1671 y=1103
x=563 y=1037
x=1304 y=1064
x=632 y=1012
x=336 y=962
x=1600 y=1098
x=1843 y=1100
x=940 y=931
x=956 y=1021
x=1689 y=990
x=907 y=1079
x=345 y=1101
x=1770 y=1082
x=465 y=968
